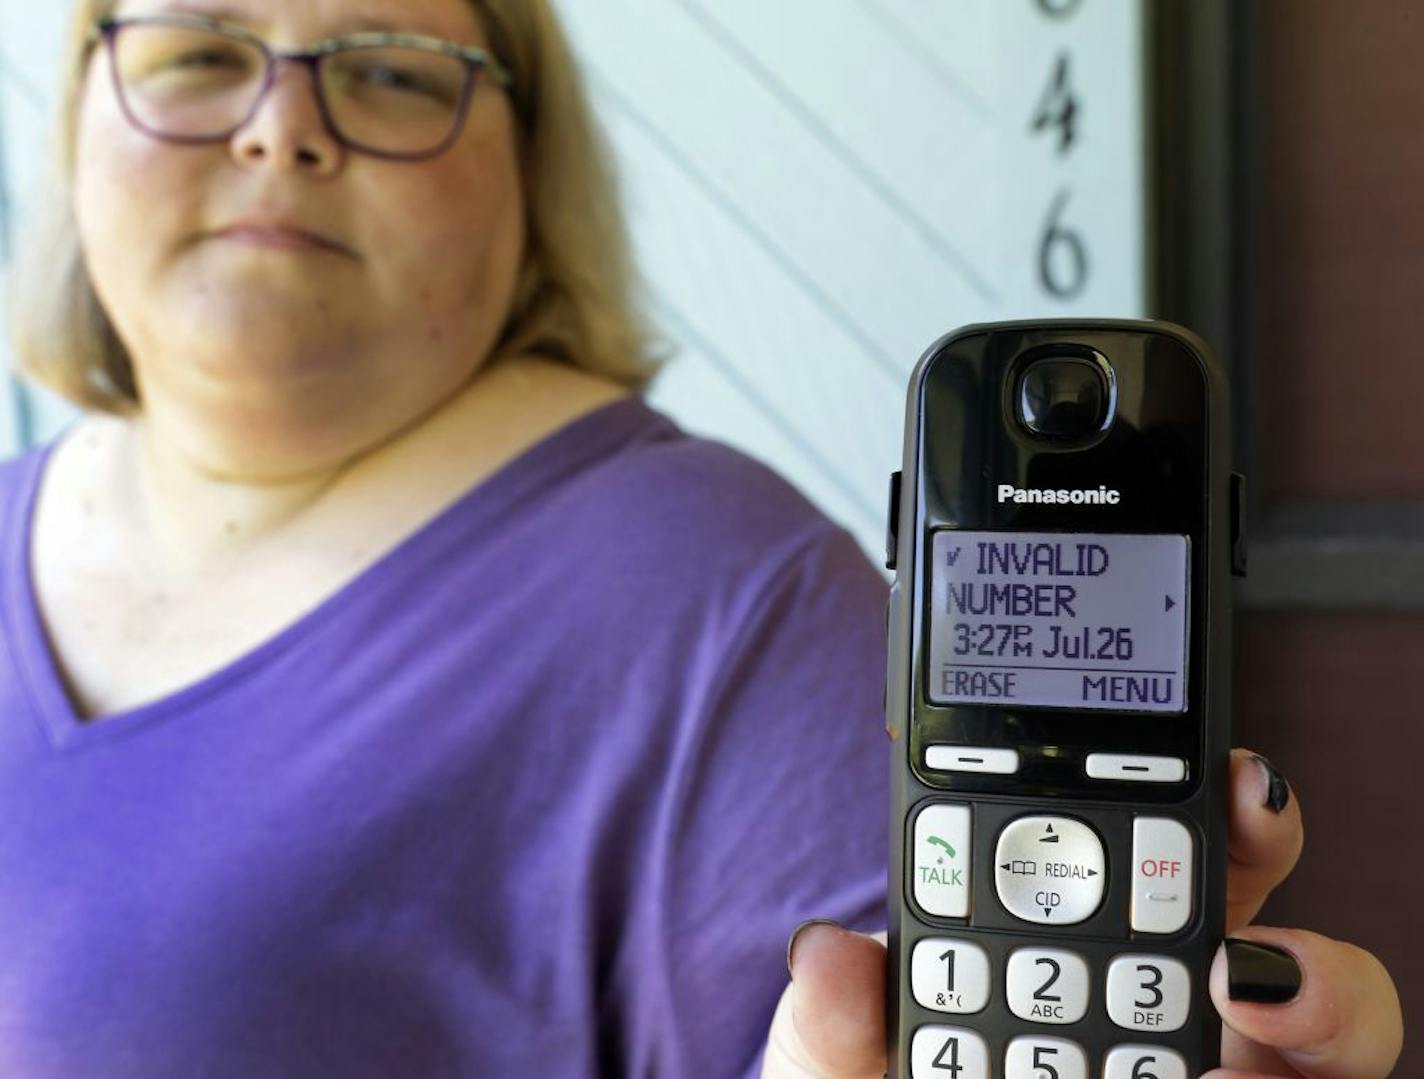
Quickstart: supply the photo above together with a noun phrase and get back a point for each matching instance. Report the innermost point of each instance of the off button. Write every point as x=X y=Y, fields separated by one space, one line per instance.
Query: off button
x=1049 y=870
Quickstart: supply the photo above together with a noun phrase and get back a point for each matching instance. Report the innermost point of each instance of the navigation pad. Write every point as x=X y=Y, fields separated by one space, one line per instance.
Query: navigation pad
x=1049 y=870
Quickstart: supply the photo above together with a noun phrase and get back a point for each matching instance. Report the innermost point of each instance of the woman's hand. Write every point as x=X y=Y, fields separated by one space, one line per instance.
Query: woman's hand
x=1294 y=1003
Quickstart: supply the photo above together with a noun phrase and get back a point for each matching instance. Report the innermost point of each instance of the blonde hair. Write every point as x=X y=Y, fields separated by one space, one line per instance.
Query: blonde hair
x=576 y=295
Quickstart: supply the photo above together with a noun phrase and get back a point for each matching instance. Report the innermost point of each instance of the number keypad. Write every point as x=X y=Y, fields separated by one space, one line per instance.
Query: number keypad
x=1047 y=985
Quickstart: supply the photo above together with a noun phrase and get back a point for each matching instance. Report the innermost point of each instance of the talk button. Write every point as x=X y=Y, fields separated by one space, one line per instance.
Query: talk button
x=941 y=860
x=1049 y=870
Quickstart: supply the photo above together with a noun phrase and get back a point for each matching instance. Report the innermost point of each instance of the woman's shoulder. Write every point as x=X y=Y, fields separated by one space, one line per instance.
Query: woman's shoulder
x=663 y=470
x=671 y=497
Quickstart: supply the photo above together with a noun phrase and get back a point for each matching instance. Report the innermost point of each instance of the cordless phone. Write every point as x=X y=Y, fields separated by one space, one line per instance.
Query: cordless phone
x=1064 y=532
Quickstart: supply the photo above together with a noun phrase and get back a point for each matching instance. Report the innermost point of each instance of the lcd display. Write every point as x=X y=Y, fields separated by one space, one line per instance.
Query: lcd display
x=1064 y=620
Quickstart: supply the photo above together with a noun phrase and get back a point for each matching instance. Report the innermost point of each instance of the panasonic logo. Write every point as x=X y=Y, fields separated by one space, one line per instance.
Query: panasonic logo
x=1102 y=496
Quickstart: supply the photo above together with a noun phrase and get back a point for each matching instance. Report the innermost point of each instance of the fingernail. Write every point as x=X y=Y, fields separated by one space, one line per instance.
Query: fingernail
x=1260 y=973
x=791 y=941
x=1277 y=789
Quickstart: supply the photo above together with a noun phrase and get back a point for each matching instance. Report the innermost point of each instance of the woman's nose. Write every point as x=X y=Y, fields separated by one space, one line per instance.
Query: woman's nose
x=287 y=130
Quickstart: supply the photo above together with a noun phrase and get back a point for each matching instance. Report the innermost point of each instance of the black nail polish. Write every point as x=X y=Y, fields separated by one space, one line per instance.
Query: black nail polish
x=1277 y=789
x=791 y=941
x=1260 y=973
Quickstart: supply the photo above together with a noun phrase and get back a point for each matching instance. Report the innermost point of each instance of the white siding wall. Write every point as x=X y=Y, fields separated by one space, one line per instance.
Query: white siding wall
x=30 y=35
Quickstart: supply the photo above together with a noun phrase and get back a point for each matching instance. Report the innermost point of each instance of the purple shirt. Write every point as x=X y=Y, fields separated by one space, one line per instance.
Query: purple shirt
x=541 y=792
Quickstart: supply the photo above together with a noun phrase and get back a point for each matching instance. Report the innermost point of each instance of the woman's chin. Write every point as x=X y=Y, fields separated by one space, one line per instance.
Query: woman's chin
x=286 y=380
x=255 y=283
x=245 y=331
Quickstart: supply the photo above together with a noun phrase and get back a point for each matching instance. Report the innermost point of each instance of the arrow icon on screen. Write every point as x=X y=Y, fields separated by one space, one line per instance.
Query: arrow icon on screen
x=1171 y=603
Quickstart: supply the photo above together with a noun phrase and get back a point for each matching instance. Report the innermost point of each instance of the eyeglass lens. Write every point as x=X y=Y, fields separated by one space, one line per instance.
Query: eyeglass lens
x=186 y=82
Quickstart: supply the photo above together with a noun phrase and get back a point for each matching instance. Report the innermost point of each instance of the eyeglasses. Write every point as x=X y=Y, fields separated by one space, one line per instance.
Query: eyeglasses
x=191 y=79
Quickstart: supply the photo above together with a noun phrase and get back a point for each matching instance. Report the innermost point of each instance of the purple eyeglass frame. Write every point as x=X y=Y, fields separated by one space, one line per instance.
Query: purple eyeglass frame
x=476 y=60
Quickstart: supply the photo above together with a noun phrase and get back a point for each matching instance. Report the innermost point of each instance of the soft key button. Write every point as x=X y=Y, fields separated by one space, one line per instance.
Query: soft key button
x=1047 y=985
x=941 y=864
x=1049 y=870
x=949 y=975
x=942 y=1052
x=1161 y=875
x=1139 y=1061
x=1030 y=1057
x=1135 y=768
x=1148 y=992
x=971 y=759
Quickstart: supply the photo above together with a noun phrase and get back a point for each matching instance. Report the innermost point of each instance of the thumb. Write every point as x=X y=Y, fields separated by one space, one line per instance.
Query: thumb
x=830 y=1021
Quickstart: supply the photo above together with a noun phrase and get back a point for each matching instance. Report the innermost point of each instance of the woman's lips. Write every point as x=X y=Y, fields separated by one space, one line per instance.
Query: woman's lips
x=278 y=238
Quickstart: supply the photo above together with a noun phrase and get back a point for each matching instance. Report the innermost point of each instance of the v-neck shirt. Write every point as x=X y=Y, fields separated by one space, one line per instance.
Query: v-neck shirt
x=540 y=791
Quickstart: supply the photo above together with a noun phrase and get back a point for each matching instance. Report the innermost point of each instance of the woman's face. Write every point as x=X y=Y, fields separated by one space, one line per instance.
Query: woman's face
x=264 y=358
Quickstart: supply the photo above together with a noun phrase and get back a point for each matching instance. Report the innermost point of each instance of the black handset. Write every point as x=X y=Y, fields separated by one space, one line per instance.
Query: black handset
x=1064 y=532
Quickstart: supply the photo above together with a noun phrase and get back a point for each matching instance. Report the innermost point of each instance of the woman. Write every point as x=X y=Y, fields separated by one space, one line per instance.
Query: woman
x=404 y=696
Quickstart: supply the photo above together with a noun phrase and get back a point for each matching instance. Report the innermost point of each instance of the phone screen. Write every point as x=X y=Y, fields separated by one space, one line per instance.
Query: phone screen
x=1062 y=620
